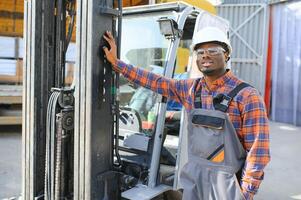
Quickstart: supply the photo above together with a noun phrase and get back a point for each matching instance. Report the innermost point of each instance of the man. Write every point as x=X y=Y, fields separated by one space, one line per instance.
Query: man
x=228 y=129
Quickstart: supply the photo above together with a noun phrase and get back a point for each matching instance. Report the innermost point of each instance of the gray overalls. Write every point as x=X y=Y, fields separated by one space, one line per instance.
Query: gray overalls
x=215 y=153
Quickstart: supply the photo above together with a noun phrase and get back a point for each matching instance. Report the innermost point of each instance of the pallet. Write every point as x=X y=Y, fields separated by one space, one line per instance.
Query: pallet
x=10 y=120
x=10 y=105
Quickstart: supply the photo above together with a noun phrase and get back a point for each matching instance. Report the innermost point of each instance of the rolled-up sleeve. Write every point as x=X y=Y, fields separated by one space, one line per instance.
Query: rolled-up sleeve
x=177 y=90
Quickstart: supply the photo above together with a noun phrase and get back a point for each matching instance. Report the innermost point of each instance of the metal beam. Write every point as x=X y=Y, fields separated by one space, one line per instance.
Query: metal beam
x=93 y=137
x=278 y=1
x=38 y=79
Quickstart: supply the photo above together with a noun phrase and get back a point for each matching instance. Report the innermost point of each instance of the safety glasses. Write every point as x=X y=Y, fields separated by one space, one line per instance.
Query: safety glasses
x=213 y=51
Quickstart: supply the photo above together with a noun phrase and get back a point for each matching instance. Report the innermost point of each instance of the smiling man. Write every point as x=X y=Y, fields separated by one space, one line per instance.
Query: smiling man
x=228 y=131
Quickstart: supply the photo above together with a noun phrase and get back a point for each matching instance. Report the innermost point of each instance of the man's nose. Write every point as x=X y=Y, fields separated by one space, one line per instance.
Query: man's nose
x=205 y=54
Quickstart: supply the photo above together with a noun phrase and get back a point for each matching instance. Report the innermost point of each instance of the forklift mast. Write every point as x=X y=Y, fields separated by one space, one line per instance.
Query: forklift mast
x=67 y=144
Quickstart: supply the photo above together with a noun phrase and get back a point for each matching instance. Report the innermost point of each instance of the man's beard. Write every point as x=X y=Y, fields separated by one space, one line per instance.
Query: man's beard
x=207 y=71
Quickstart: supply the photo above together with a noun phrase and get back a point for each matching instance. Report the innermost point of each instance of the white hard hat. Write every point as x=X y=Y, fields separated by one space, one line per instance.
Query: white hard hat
x=211 y=34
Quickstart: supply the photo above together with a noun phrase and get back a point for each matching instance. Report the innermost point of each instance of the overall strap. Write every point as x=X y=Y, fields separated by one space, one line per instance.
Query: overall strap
x=221 y=102
x=237 y=89
x=198 y=95
x=198 y=100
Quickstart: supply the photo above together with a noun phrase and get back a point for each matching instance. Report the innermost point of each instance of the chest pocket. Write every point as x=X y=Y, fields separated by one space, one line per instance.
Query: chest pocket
x=207 y=137
x=207 y=134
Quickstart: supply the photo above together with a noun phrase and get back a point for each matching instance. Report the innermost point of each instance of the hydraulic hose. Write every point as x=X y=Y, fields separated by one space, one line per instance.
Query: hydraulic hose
x=47 y=180
x=50 y=139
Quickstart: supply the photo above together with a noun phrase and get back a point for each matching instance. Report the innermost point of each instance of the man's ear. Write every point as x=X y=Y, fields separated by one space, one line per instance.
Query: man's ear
x=227 y=57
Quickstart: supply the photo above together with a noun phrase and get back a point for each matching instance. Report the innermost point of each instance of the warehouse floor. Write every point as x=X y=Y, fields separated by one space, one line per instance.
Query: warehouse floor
x=10 y=161
x=282 y=176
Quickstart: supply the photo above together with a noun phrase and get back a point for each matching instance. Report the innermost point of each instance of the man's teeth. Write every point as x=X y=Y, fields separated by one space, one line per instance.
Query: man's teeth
x=207 y=63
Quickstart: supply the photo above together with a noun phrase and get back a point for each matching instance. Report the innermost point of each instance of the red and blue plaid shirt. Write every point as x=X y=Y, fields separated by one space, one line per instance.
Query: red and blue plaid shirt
x=246 y=111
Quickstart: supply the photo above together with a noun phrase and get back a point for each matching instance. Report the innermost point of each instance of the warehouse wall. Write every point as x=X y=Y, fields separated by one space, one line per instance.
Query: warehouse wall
x=286 y=63
x=249 y=39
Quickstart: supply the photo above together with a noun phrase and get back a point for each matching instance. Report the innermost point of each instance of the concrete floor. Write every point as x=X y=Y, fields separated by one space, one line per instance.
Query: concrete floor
x=282 y=176
x=10 y=161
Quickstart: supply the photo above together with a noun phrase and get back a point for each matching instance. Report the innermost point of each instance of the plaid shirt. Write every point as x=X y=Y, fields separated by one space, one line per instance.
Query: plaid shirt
x=246 y=111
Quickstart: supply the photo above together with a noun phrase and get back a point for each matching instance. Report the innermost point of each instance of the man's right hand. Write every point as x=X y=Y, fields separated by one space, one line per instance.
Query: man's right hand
x=111 y=54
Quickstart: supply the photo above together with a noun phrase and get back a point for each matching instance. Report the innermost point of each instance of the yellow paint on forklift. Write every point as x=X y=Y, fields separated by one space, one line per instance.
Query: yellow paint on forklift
x=202 y=4
x=182 y=60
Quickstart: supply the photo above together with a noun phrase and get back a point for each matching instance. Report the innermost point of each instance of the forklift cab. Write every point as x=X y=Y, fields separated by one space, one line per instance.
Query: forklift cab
x=156 y=38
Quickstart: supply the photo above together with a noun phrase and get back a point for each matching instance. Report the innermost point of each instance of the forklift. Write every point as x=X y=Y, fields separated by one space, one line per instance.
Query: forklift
x=103 y=137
